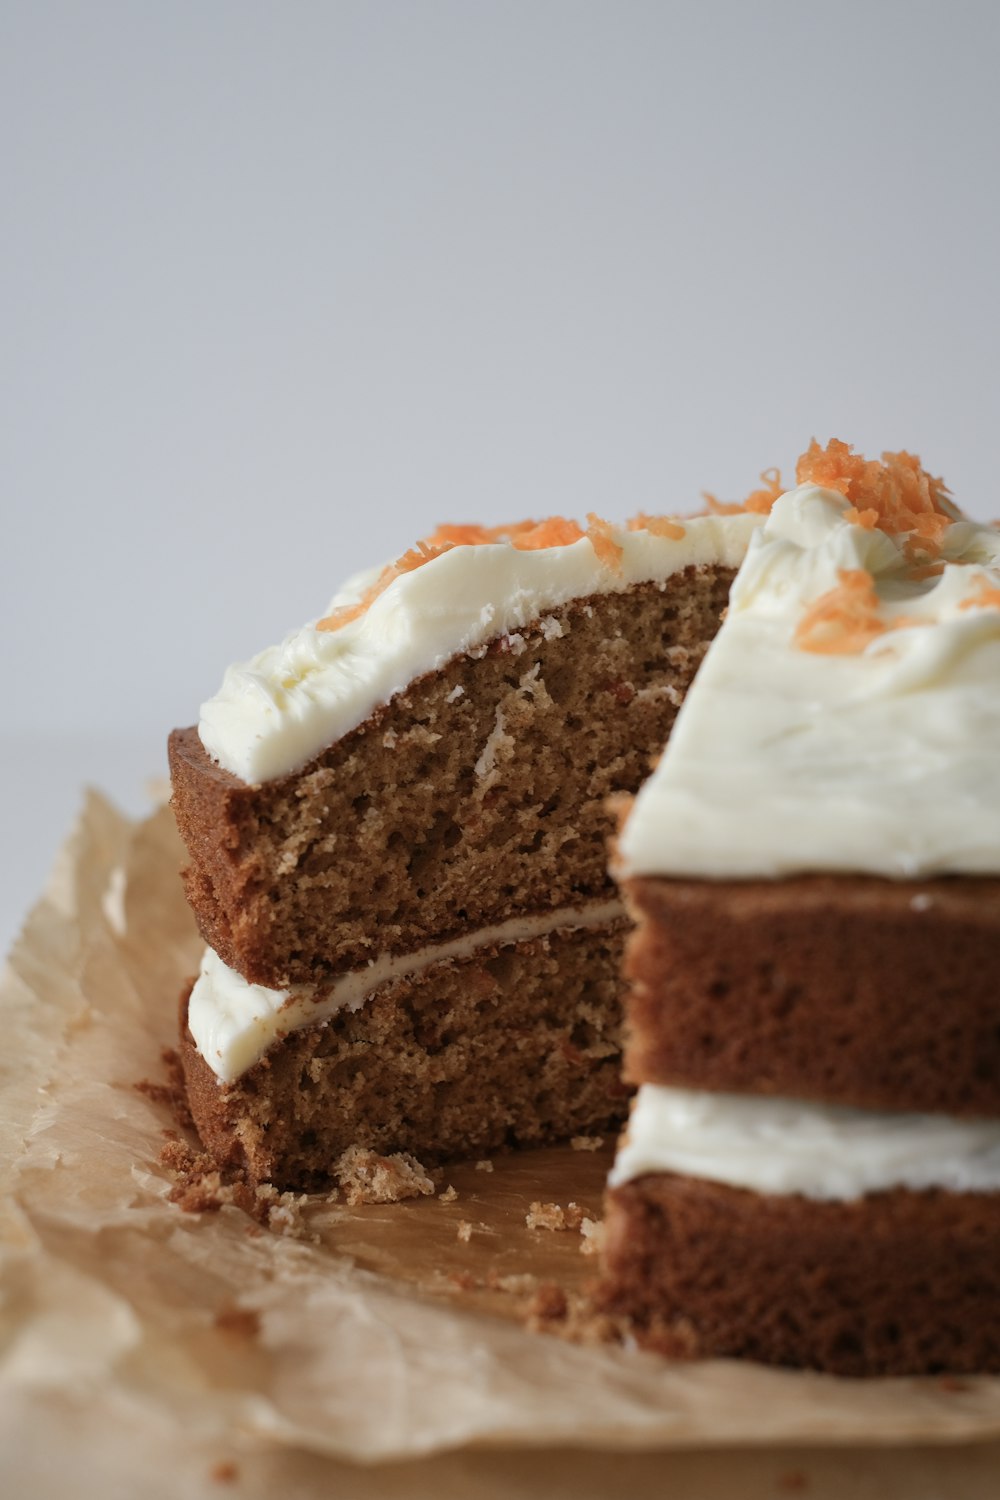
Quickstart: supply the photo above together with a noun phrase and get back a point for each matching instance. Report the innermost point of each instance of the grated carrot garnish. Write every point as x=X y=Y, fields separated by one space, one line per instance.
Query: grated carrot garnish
x=657 y=526
x=555 y=532
x=714 y=507
x=925 y=570
x=988 y=597
x=902 y=495
x=760 y=501
x=606 y=549
x=844 y=619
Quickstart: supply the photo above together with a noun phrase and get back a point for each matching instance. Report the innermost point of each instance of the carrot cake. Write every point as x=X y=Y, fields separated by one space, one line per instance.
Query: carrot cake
x=811 y=1172
x=396 y=823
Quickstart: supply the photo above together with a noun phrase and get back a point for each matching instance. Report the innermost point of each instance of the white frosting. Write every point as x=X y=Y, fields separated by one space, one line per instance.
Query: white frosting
x=273 y=713
x=234 y=1022
x=784 y=760
x=820 y=1151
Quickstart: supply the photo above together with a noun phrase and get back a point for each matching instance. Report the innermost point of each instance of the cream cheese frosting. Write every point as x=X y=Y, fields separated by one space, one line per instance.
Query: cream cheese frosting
x=788 y=1146
x=234 y=1022
x=273 y=713
x=884 y=760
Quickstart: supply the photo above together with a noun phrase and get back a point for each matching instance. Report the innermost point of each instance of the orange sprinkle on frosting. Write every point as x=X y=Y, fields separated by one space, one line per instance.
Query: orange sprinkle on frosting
x=895 y=493
x=657 y=526
x=526 y=536
x=988 y=597
x=602 y=539
x=844 y=619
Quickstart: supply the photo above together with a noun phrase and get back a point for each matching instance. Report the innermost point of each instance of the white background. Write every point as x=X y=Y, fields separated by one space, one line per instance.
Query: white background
x=284 y=284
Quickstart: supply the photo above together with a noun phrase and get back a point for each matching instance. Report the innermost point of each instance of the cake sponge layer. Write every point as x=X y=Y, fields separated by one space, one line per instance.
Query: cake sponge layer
x=519 y=1044
x=896 y=1283
x=860 y=991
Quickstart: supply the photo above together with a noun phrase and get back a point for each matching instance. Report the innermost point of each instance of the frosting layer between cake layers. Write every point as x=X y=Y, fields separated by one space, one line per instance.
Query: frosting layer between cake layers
x=789 y=757
x=234 y=1022
x=273 y=713
x=786 y=1146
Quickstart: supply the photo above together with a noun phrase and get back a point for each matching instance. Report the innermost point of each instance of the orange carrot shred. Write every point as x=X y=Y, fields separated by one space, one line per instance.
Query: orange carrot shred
x=657 y=526
x=844 y=619
x=555 y=532
x=716 y=507
x=607 y=550
x=988 y=597
x=902 y=495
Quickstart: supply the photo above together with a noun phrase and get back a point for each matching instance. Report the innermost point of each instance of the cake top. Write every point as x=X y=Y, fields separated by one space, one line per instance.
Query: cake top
x=454 y=592
x=847 y=716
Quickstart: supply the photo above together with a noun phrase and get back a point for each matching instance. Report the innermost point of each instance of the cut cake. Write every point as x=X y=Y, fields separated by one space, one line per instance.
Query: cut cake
x=397 y=825
x=811 y=1173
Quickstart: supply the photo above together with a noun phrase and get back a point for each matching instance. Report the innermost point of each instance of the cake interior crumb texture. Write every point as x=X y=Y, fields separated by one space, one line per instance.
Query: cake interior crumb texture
x=895 y=1283
x=476 y=794
x=852 y=990
x=516 y=1045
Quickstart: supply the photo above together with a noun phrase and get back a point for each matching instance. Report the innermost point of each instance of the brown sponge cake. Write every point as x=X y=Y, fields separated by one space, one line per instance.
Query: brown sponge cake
x=896 y=1283
x=852 y=990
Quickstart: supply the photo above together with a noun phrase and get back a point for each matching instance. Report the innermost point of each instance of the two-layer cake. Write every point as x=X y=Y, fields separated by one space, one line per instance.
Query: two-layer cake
x=397 y=826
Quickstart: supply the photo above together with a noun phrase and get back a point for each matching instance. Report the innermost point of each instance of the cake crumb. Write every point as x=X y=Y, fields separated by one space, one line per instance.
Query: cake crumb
x=553 y=1216
x=586 y=1142
x=464 y=1231
x=592 y=1237
x=366 y=1177
x=224 y=1473
x=286 y=1217
x=484 y=1166
x=455 y=693
x=200 y=1188
x=449 y=1195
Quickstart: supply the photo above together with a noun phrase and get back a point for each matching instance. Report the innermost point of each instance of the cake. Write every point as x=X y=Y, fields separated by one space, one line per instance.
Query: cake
x=396 y=824
x=811 y=1171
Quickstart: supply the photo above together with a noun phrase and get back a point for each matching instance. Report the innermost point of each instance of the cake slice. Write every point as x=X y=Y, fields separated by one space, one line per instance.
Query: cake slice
x=397 y=823
x=811 y=1172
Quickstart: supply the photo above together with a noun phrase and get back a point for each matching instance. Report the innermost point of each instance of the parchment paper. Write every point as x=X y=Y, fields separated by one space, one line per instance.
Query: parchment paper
x=362 y=1346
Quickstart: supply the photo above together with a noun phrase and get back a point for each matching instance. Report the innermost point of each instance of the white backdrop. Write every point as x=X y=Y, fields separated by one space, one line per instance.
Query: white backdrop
x=285 y=284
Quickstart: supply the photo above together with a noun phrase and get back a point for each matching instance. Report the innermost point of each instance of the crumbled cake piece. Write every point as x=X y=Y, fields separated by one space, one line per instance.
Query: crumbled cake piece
x=449 y=1195
x=202 y=1187
x=366 y=1177
x=464 y=1231
x=592 y=1240
x=587 y=1142
x=484 y=1166
x=552 y=1216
